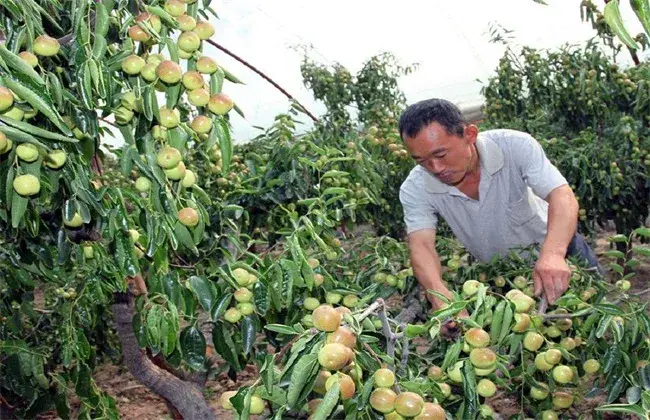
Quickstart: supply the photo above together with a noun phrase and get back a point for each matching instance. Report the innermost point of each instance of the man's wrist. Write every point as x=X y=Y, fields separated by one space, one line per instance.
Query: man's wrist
x=548 y=249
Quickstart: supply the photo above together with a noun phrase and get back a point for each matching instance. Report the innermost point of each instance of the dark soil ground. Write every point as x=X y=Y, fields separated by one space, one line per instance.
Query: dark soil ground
x=138 y=403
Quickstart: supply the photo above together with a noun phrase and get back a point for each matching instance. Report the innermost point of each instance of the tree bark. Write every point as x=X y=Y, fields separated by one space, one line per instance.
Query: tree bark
x=184 y=396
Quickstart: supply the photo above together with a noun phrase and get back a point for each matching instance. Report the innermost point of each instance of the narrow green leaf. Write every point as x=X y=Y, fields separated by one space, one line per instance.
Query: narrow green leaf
x=330 y=401
x=248 y=331
x=302 y=379
x=203 y=291
x=193 y=348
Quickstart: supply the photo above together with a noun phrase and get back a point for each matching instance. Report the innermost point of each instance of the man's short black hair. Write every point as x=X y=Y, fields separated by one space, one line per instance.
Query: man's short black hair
x=423 y=113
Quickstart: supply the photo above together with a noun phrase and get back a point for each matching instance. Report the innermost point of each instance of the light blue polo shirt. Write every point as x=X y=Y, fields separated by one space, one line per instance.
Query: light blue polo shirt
x=516 y=176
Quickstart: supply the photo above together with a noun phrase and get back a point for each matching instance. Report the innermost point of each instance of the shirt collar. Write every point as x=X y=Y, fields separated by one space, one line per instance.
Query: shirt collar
x=490 y=155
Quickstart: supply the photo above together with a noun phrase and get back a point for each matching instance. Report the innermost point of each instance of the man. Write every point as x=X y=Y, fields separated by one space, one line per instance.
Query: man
x=497 y=190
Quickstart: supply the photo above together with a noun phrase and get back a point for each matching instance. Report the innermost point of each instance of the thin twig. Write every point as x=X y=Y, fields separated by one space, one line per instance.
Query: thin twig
x=390 y=337
x=405 y=354
x=370 y=309
x=129 y=388
x=641 y=293
x=264 y=76
x=372 y=353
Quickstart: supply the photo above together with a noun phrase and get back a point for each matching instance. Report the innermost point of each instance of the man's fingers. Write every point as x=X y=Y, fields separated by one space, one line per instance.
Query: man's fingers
x=549 y=288
x=537 y=281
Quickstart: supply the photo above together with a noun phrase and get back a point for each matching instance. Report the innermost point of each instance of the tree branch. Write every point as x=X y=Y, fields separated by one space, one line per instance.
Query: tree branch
x=264 y=76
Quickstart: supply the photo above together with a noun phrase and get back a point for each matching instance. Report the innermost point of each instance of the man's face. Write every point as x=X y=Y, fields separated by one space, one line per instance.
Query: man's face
x=447 y=156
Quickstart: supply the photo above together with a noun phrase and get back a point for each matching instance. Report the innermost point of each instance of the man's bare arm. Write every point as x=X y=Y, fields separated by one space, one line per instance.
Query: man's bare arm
x=426 y=264
x=551 y=273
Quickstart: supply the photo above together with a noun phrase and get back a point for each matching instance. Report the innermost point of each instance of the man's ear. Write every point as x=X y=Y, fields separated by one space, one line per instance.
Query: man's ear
x=471 y=133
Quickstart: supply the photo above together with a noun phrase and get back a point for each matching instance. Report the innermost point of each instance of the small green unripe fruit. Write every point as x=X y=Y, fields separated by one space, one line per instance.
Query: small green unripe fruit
x=332 y=298
x=232 y=315
x=342 y=335
x=55 y=159
x=431 y=411
x=138 y=34
x=174 y=8
x=188 y=217
x=313 y=263
x=591 y=366
x=257 y=405
x=391 y=280
x=75 y=222
x=623 y=285
x=435 y=373
x=220 y=104
x=201 y=124
x=533 y=341
x=189 y=179
x=193 y=80
x=29 y=58
x=553 y=356
x=246 y=308
x=553 y=331
x=477 y=337
x=46 y=46
x=326 y=318
x=123 y=115
x=176 y=173
x=142 y=184
x=334 y=356
x=148 y=72
x=189 y=42
x=549 y=415
x=199 y=97
x=186 y=22
x=241 y=276
x=243 y=295
x=204 y=29
x=6 y=99
x=568 y=343
x=225 y=399
x=500 y=281
x=383 y=400
x=384 y=378
x=318 y=279
x=539 y=393
x=27 y=152
x=454 y=372
x=133 y=64
x=523 y=303
x=311 y=303
x=541 y=363
x=346 y=385
x=89 y=252
x=562 y=400
x=409 y=404
x=206 y=65
x=14 y=113
x=350 y=301
x=168 y=157
x=319 y=384
x=520 y=282
x=470 y=287
x=169 y=118
x=26 y=185
x=150 y=18
x=184 y=54
x=486 y=388
x=307 y=321
x=483 y=358
x=445 y=389
x=562 y=374
x=169 y=72
x=522 y=321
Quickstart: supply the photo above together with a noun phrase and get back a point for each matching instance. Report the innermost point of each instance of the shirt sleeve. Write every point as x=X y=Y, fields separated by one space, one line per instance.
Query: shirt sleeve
x=535 y=167
x=418 y=212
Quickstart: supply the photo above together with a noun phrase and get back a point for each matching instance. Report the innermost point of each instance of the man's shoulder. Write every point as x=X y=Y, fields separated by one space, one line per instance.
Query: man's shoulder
x=506 y=137
x=513 y=143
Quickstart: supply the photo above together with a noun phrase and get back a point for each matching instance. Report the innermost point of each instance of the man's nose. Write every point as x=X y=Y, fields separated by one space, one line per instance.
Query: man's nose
x=434 y=165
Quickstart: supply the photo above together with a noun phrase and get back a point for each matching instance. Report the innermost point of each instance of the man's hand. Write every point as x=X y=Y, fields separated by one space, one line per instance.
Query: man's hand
x=551 y=276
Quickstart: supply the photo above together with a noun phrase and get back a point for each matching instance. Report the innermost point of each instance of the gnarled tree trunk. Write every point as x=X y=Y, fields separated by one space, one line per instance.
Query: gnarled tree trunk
x=183 y=396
